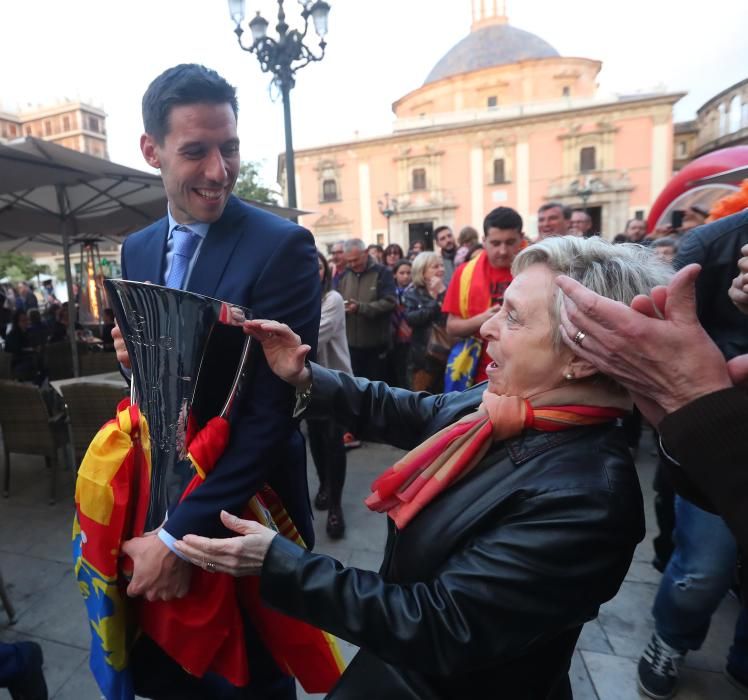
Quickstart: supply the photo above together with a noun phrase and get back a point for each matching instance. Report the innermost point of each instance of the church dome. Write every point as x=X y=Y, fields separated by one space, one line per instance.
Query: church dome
x=492 y=45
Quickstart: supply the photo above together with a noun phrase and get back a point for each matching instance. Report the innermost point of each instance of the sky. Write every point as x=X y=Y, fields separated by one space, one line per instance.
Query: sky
x=106 y=53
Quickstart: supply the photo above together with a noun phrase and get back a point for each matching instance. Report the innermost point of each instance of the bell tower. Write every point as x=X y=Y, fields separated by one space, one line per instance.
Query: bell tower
x=488 y=12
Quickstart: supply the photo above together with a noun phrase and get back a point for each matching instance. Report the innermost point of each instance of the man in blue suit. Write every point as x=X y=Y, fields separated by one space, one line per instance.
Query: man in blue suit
x=212 y=243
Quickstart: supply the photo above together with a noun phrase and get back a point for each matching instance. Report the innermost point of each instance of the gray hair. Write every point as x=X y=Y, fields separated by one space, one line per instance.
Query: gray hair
x=421 y=262
x=565 y=211
x=354 y=244
x=618 y=272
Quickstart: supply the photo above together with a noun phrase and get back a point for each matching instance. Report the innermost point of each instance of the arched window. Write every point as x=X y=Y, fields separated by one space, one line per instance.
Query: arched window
x=499 y=170
x=735 y=115
x=329 y=191
x=587 y=159
x=419 y=179
x=722 y=119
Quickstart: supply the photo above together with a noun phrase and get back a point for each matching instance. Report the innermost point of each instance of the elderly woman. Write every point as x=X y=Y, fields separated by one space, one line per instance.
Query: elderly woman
x=423 y=310
x=512 y=519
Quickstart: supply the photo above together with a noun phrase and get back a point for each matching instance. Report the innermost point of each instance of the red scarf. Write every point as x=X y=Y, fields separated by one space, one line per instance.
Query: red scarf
x=432 y=467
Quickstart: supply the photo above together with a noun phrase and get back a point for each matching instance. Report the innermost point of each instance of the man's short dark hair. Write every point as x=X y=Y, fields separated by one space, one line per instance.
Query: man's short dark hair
x=503 y=218
x=565 y=211
x=438 y=230
x=185 y=84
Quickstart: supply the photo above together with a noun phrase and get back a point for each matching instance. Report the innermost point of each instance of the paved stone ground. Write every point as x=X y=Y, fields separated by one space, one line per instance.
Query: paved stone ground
x=35 y=561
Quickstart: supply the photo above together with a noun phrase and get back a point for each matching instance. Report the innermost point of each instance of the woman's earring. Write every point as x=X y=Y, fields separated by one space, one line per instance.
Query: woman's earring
x=569 y=376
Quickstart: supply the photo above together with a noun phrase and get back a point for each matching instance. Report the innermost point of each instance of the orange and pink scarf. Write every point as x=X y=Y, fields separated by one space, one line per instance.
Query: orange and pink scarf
x=405 y=488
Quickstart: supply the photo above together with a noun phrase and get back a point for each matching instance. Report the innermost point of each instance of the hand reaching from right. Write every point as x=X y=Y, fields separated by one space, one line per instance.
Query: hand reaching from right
x=283 y=350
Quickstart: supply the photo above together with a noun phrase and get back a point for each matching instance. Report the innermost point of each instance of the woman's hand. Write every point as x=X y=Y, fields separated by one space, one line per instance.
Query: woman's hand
x=436 y=286
x=238 y=556
x=283 y=350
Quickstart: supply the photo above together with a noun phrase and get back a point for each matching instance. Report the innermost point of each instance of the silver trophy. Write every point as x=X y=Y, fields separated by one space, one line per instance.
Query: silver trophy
x=189 y=358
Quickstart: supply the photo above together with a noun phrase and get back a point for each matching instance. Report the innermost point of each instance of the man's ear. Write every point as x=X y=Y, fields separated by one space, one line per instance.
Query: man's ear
x=149 y=149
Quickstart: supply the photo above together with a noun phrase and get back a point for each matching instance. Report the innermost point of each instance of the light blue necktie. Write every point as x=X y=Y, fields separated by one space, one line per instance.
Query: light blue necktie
x=185 y=242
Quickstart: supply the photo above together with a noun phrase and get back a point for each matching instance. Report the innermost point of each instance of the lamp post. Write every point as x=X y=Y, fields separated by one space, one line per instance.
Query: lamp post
x=387 y=209
x=283 y=56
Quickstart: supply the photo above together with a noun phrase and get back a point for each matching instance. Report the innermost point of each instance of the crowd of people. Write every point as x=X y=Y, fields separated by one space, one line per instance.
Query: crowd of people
x=503 y=367
x=31 y=321
x=438 y=341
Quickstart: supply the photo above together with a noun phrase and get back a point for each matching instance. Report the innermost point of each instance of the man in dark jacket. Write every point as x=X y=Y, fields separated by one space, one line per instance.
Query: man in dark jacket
x=705 y=549
x=683 y=384
x=368 y=289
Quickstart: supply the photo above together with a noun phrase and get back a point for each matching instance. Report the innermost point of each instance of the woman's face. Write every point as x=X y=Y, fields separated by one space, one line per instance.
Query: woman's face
x=403 y=276
x=524 y=360
x=433 y=269
x=391 y=258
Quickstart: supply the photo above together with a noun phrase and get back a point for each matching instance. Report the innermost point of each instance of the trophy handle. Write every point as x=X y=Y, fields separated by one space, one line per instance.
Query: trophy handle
x=238 y=378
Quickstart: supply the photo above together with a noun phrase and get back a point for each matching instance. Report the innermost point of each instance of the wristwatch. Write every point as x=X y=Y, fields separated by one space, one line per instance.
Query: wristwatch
x=303 y=398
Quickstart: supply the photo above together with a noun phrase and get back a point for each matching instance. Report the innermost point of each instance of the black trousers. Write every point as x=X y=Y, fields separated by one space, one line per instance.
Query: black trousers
x=328 y=453
x=370 y=363
x=158 y=676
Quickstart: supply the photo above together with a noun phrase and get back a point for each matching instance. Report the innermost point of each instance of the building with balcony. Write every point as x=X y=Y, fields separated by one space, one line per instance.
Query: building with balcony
x=75 y=125
x=502 y=119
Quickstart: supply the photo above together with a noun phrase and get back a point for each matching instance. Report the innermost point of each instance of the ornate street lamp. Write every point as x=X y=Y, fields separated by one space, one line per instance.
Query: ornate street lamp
x=283 y=56
x=387 y=209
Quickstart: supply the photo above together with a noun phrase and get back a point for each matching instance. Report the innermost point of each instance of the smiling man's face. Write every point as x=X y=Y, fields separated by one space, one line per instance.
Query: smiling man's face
x=198 y=159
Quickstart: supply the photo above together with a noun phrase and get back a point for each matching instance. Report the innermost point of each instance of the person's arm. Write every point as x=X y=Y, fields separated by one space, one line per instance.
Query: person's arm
x=332 y=310
x=371 y=409
x=542 y=569
x=467 y=327
x=709 y=442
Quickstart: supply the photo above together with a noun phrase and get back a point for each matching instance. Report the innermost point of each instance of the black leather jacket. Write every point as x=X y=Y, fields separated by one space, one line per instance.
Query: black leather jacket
x=484 y=594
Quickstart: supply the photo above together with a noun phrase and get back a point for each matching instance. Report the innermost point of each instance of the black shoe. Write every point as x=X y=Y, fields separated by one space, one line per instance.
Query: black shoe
x=658 y=669
x=321 y=500
x=659 y=564
x=736 y=680
x=30 y=685
x=335 y=523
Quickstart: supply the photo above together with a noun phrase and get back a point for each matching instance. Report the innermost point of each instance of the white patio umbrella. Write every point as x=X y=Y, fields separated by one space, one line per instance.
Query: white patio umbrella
x=49 y=193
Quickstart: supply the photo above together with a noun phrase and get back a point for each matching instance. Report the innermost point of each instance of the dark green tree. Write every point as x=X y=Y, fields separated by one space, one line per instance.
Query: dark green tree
x=249 y=186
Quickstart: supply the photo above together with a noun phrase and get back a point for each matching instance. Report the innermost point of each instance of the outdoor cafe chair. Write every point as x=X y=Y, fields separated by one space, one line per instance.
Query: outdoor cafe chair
x=5 y=359
x=89 y=406
x=28 y=428
x=58 y=360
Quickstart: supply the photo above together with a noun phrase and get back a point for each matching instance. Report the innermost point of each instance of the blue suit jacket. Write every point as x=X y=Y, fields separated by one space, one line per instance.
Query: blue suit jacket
x=261 y=261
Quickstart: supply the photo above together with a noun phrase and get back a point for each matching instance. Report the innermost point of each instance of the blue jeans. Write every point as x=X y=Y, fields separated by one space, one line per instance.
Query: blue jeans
x=697 y=577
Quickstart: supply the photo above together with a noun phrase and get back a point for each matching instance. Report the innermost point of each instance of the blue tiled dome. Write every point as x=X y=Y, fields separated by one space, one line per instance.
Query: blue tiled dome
x=494 y=45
